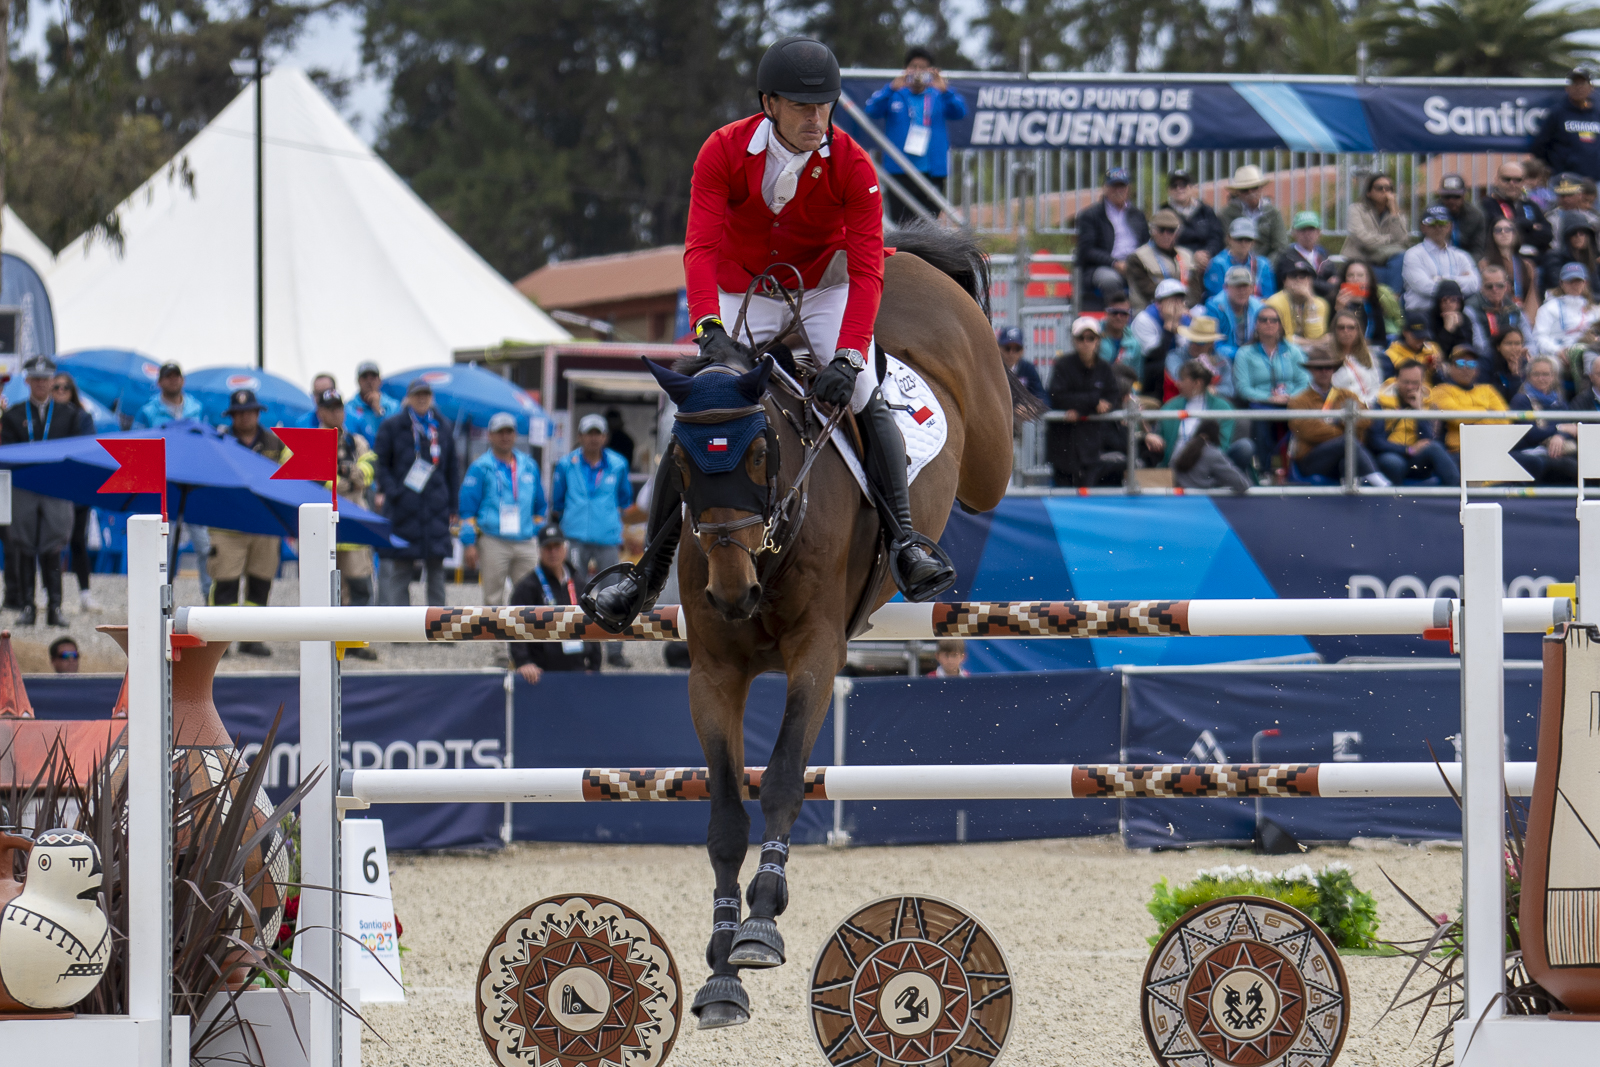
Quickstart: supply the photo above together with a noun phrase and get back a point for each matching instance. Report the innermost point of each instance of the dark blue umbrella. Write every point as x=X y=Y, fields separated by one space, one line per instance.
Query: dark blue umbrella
x=286 y=403
x=105 y=420
x=121 y=380
x=466 y=393
x=212 y=480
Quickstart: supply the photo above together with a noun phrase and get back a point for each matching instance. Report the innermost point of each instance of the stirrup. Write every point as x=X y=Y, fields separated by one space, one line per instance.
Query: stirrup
x=616 y=624
x=927 y=590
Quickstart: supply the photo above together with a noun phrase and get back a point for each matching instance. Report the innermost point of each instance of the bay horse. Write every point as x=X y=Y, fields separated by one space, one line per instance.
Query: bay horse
x=934 y=318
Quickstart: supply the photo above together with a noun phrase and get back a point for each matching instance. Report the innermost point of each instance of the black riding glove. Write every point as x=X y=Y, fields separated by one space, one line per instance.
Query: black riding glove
x=837 y=382
x=715 y=343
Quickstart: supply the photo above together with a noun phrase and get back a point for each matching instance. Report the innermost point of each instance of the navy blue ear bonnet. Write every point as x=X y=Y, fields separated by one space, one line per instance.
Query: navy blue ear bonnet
x=719 y=414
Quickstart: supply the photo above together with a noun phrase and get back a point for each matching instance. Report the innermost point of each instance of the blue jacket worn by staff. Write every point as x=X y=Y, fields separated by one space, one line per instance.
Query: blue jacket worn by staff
x=1260 y=270
x=486 y=495
x=359 y=417
x=155 y=414
x=1569 y=139
x=590 y=499
x=421 y=519
x=898 y=110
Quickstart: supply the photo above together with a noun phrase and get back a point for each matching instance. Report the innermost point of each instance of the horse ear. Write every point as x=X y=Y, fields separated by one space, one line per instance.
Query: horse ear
x=753 y=384
x=672 y=383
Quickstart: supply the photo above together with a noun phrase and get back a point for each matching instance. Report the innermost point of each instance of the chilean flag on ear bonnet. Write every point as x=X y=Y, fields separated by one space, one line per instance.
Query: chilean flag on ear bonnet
x=716 y=447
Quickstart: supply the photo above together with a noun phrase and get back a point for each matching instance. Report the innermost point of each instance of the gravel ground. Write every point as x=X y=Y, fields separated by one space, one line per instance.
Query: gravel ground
x=1068 y=913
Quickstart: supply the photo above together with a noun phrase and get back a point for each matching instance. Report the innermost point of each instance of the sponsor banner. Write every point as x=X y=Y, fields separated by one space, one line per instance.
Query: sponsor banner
x=1177 y=115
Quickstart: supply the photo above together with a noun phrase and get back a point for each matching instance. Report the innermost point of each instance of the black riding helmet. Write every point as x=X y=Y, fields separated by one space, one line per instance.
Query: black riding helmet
x=799 y=69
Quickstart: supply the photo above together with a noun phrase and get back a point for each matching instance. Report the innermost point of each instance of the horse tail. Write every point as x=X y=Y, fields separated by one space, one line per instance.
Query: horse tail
x=954 y=252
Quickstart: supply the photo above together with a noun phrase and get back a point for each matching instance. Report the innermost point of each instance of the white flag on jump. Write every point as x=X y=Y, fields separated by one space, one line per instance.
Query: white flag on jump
x=1485 y=454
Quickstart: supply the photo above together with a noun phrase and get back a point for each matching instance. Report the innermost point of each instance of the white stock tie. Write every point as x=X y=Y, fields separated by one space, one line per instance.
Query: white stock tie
x=788 y=180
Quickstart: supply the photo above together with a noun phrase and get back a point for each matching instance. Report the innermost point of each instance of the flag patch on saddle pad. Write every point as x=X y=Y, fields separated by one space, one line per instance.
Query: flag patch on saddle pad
x=922 y=414
x=717 y=444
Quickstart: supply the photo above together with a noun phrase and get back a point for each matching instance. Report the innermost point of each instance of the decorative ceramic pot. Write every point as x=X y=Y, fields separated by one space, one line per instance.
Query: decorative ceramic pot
x=54 y=940
x=1561 y=865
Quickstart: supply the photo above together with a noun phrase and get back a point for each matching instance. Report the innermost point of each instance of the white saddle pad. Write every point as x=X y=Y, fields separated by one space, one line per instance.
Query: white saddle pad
x=918 y=414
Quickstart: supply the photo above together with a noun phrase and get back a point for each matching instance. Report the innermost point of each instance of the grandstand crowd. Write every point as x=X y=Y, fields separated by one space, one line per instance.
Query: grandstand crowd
x=1493 y=309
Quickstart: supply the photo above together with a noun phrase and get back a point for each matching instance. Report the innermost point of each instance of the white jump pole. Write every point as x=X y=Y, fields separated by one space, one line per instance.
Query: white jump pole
x=149 y=859
x=317 y=941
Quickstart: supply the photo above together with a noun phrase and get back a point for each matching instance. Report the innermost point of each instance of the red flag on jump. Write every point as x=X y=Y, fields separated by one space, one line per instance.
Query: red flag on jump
x=143 y=467
x=315 y=456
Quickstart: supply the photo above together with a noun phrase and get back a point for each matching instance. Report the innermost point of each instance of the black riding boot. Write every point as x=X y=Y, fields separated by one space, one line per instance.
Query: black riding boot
x=50 y=569
x=920 y=567
x=26 y=566
x=615 y=606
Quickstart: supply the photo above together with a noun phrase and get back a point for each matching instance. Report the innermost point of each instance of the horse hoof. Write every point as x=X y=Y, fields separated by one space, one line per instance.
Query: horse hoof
x=721 y=1002
x=757 y=944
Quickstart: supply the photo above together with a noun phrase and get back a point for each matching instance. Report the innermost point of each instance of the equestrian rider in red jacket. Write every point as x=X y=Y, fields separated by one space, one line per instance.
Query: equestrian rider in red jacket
x=785 y=187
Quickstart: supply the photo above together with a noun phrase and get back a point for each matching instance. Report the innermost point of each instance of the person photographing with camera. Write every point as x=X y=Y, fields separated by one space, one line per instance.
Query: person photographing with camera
x=913 y=110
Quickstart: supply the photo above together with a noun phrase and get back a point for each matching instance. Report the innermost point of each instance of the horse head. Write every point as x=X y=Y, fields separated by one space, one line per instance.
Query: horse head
x=721 y=442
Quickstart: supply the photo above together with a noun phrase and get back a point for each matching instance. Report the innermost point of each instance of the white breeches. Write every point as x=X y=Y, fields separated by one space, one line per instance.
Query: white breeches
x=822 y=313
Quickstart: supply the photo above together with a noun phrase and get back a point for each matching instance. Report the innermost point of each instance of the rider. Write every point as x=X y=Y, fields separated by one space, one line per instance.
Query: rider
x=785 y=187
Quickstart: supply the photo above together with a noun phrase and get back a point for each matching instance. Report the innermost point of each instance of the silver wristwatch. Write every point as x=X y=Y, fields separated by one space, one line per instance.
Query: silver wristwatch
x=856 y=360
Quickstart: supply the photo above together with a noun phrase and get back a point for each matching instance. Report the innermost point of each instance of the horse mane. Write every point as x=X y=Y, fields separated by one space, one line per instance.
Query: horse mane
x=954 y=252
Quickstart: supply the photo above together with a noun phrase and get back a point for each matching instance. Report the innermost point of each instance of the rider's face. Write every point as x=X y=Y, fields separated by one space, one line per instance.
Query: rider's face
x=801 y=126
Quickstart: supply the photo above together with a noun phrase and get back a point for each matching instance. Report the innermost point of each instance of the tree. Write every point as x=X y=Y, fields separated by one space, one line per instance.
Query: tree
x=1480 y=38
x=876 y=33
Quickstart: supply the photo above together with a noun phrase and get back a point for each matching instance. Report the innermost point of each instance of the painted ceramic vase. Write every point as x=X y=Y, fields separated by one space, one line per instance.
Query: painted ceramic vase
x=200 y=743
x=54 y=939
x=1561 y=864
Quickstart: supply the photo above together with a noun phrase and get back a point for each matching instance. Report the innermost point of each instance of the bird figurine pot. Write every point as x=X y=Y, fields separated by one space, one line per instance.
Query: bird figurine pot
x=54 y=939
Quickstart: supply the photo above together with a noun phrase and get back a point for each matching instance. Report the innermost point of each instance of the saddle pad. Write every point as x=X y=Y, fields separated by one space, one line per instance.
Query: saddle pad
x=918 y=414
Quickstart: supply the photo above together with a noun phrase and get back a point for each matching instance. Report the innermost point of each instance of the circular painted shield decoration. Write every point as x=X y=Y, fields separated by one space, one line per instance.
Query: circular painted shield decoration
x=578 y=981
x=911 y=980
x=1245 y=982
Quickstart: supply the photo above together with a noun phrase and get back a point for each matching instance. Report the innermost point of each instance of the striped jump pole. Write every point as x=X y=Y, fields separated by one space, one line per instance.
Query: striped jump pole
x=1434 y=618
x=1025 y=781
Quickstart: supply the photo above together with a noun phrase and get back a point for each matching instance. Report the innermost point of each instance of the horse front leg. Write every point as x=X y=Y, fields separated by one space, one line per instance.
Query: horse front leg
x=716 y=698
x=811 y=672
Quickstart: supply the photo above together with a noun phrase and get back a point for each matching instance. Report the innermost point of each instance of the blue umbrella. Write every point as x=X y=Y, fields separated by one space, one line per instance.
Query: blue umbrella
x=105 y=420
x=286 y=403
x=212 y=480
x=121 y=380
x=464 y=392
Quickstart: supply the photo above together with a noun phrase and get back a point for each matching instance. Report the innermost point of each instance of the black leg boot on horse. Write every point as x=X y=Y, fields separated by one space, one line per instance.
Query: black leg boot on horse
x=639 y=584
x=919 y=566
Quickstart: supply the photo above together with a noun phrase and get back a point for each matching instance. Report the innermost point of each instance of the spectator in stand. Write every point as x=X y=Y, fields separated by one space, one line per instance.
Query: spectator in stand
x=1010 y=338
x=1201 y=231
x=41 y=526
x=1536 y=185
x=64 y=657
x=1306 y=249
x=170 y=404
x=1360 y=374
x=589 y=492
x=1156 y=327
x=1379 y=233
x=951 y=655
x=1565 y=328
x=1493 y=310
x=913 y=110
x=1521 y=277
x=502 y=507
x=1448 y=324
x=1569 y=136
x=420 y=482
x=1241 y=253
x=1202 y=464
x=1507 y=363
x=1081 y=384
x=618 y=439
x=1577 y=245
x=1317 y=445
x=1508 y=201
x=1588 y=398
x=1117 y=342
x=367 y=411
x=1569 y=192
x=1462 y=391
x=1196 y=397
x=242 y=558
x=1435 y=260
x=1160 y=257
x=1109 y=231
x=356 y=471
x=1200 y=337
x=1266 y=373
x=1304 y=312
x=1379 y=305
x=1466 y=220
x=1416 y=346
x=321 y=383
x=550 y=583
x=1246 y=201
x=1541 y=391
x=1409 y=449
x=64 y=389
x=1235 y=309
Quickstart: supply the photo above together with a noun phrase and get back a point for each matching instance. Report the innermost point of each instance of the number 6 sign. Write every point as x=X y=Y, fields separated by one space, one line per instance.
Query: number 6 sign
x=372 y=959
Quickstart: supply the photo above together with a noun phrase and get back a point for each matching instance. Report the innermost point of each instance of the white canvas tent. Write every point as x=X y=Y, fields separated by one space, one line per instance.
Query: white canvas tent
x=357 y=266
x=16 y=238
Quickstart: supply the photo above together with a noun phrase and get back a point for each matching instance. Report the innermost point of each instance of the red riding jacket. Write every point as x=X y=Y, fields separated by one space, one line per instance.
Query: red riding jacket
x=734 y=236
